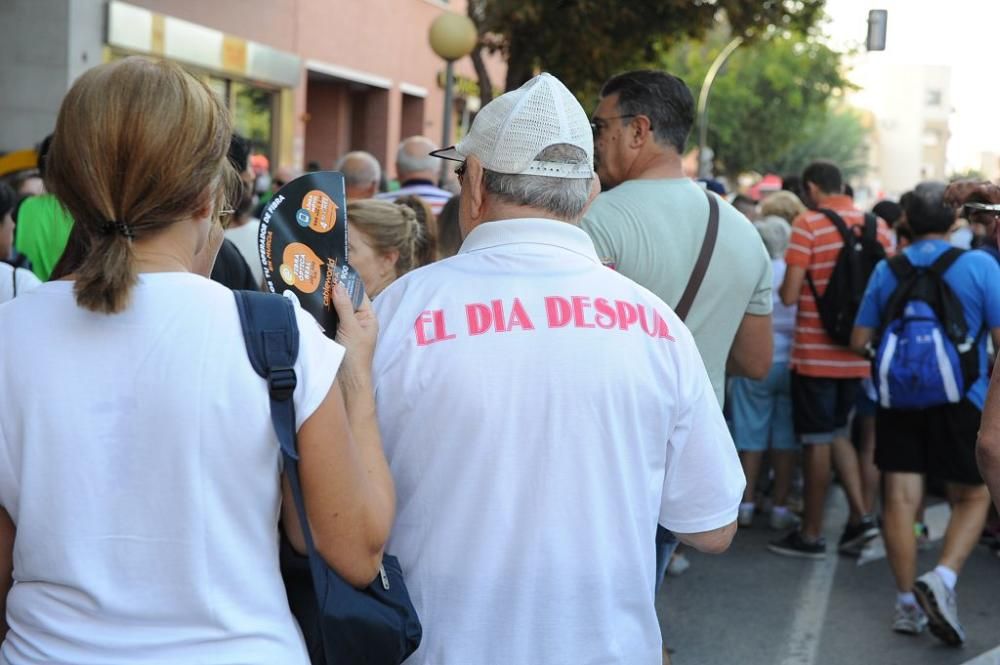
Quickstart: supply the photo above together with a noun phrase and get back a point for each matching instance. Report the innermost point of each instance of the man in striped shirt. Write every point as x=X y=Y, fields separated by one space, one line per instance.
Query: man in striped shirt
x=826 y=376
x=417 y=171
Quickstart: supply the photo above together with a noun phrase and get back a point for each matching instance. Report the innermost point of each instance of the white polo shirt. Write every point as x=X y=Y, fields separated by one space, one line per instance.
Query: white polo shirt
x=541 y=413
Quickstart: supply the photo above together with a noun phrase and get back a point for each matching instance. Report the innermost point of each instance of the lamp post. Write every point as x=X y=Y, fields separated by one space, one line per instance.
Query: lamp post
x=452 y=36
x=704 y=158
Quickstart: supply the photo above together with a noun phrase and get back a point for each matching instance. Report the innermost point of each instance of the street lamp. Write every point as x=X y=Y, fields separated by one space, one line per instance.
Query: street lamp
x=452 y=36
x=704 y=157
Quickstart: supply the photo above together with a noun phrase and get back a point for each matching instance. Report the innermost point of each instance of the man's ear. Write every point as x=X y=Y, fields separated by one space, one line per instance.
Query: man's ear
x=640 y=130
x=595 y=189
x=476 y=187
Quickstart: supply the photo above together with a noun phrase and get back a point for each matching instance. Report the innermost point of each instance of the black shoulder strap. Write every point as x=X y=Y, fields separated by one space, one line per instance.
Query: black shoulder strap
x=901 y=267
x=704 y=258
x=839 y=222
x=871 y=227
x=13 y=283
x=945 y=261
x=845 y=234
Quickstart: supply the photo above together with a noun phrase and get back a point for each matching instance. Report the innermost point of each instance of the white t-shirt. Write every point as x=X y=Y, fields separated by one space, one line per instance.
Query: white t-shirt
x=541 y=413
x=12 y=285
x=139 y=463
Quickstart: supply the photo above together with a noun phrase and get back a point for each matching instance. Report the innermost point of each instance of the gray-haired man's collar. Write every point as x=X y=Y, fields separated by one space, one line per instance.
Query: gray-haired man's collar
x=531 y=230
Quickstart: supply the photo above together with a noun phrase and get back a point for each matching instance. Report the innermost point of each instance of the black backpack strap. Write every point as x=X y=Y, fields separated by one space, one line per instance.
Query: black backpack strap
x=838 y=221
x=906 y=279
x=945 y=261
x=901 y=267
x=871 y=227
x=845 y=234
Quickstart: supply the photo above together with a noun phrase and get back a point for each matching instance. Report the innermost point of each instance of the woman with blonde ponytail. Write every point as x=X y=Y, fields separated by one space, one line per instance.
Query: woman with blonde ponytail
x=385 y=239
x=140 y=476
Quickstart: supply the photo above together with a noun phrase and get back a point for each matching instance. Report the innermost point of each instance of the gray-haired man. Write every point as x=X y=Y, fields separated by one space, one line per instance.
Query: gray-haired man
x=417 y=171
x=362 y=174
x=541 y=414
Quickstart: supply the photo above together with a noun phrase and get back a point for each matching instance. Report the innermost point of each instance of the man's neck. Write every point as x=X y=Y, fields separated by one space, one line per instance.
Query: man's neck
x=500 y=211
x=931 y=236
x=658 y=165
x=832 y=200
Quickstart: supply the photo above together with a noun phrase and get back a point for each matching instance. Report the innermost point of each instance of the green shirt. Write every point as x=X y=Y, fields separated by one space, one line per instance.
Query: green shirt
x=651 y=231
x=43 y=227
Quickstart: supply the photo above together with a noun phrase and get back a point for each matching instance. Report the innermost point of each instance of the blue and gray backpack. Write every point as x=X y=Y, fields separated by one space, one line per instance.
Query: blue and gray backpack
x=926 y=355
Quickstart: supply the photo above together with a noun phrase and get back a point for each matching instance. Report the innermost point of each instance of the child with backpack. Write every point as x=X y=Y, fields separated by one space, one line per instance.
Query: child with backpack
x=924 y=321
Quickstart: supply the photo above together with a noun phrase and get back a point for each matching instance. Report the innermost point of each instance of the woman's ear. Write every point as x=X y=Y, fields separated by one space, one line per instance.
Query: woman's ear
x=388 y=261
x=207 y=203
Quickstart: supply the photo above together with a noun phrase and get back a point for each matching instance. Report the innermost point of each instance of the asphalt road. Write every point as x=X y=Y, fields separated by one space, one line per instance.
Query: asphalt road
x=750 y=606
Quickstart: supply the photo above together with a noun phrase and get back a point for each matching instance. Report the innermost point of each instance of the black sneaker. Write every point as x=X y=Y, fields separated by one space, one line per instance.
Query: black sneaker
x=855 y=536
x=795 y=545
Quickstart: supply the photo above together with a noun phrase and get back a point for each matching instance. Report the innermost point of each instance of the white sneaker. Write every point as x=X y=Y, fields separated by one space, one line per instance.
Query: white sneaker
x=678 y=564
x=744 y=517
x=909 y=619
x=941 y=606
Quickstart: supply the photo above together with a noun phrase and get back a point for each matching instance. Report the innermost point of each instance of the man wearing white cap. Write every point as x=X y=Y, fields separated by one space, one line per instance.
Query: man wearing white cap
x=541 y=414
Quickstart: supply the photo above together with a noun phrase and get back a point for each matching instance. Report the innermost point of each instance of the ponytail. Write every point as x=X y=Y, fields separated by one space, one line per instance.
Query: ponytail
x=425 y=246
x=105 y=279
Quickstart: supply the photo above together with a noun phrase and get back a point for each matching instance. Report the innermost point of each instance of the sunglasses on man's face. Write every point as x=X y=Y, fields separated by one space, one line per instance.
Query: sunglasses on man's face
x=460 y=172
x=598 y=124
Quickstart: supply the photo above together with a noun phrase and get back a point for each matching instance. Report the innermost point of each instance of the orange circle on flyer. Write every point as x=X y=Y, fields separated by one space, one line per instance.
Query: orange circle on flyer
x=300 y=267
x=322 y=211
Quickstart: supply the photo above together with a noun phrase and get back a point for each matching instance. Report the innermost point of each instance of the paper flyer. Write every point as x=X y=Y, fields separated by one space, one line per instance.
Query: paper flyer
x=303 y=245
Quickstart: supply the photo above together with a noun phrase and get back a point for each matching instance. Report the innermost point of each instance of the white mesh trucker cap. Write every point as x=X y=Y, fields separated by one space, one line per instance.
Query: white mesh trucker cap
x=511 y=130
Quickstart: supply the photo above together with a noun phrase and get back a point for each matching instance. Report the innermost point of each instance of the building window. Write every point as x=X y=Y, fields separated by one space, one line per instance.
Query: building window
x=933 y=97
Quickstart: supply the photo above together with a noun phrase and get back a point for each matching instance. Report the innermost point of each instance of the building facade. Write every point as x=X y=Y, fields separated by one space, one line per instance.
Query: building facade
x=908 y=108
x=306 y=80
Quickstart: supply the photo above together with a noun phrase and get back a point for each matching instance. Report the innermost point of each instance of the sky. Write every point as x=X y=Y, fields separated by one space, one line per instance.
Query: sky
x=958 y=33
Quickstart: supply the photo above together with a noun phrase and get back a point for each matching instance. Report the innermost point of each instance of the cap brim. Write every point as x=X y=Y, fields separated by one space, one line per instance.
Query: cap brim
x=451 y=153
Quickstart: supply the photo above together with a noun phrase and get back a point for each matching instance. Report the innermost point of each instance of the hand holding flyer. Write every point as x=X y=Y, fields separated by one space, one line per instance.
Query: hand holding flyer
x=303 y=245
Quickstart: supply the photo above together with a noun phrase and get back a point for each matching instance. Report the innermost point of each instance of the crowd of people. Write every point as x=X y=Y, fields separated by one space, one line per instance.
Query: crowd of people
x=572 y=358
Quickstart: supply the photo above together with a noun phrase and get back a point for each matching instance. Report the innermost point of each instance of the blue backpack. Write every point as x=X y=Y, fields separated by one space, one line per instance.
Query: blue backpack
x=926 y=355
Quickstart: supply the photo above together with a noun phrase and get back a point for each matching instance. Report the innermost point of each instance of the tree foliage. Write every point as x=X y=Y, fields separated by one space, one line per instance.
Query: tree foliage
x=834 y=133
x=584 y=42
x=770 y=100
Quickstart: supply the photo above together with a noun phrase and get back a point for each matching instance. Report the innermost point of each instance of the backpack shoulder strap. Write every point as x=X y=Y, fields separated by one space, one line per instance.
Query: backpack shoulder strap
x=839 y=222
x=906 y=279
x=271 y=334
x=272 y=340
x=945 y=261
x=901 y=266
x=704 y=257
x=871 y=227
